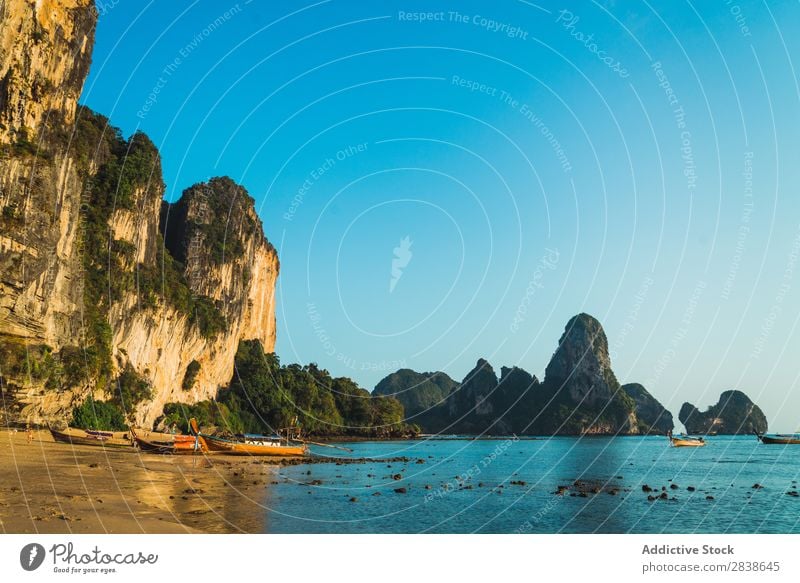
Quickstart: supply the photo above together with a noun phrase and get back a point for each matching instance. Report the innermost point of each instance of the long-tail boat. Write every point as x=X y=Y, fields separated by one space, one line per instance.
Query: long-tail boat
x=167 y=443
x=76 y=436
x=779 y=438
x=248 y=444
x=686 y=441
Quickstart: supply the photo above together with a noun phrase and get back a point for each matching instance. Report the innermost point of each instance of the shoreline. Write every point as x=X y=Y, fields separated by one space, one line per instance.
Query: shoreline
x=56 y=488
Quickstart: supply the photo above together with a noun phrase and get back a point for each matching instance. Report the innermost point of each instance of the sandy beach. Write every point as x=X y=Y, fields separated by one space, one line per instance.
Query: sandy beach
x=49 y=487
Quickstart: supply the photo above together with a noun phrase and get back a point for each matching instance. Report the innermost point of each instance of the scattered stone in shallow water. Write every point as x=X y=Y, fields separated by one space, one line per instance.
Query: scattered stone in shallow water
x=674 y=486
x=757 y=486
x=353 y=499
x=793 y=493
x=664 y=496
x=376 y=494
x=646 y=488
x=709 y=497
x=690 y=488
x=400 y=490
x=397 y=477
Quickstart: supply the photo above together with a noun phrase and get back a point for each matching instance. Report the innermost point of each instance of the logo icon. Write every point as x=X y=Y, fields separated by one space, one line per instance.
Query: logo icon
x=31 y=556
x=401 y=259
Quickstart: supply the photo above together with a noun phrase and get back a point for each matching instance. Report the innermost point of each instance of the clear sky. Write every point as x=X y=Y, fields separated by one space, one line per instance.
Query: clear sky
x=452 y=180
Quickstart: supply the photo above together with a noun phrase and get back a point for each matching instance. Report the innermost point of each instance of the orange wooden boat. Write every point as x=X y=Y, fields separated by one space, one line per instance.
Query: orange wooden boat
x=253 y=445
x=686 y=441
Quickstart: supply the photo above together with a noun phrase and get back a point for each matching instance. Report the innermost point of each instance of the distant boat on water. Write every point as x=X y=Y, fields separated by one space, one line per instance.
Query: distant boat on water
x=686 y=441
x=779 y=438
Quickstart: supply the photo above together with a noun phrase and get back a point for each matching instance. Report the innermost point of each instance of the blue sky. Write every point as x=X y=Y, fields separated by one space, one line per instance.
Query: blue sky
x=543 y=159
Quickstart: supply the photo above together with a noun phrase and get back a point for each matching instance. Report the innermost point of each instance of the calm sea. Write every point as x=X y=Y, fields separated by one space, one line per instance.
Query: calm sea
x=508 y=486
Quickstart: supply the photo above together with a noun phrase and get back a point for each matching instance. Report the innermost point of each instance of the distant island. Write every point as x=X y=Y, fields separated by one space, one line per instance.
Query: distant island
x=580 y=395
x=733 y=414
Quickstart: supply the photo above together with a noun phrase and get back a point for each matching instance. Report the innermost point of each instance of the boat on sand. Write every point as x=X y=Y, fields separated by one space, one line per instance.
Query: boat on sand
x=167 y=443
x=247 y=444
x=76 y=436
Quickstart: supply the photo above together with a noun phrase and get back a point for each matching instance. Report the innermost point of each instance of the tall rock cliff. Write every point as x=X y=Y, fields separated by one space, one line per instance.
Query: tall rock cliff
x=485 y=404
x=91 y=299
x=45 y=52
x=585 y=396
x=653 y=417
x=733 y=414
x=580 y=395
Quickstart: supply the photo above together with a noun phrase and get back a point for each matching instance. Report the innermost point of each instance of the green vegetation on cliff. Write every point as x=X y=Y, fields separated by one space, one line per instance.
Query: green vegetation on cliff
x=264 y=396
x=120 y=175
x=101 y=415
x=734 y=414
x=416 y=391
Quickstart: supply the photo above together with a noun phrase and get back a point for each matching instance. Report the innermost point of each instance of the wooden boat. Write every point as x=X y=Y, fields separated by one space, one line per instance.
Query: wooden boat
x=254 y=445
x=167 y=443
x=686 y=441
x=76 y=436
x=779 y=438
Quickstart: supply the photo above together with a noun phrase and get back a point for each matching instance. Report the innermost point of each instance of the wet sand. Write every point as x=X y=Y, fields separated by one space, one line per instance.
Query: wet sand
x=49 y=487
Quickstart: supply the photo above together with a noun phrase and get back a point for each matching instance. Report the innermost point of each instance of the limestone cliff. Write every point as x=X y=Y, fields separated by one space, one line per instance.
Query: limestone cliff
x=652 y=416
x=733 y=414
x=45 y=52
x=91 y=299
x=581 y=383
x=580 y=395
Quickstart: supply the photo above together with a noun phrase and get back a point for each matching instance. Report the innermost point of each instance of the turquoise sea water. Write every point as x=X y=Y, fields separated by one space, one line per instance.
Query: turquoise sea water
x=464 y=495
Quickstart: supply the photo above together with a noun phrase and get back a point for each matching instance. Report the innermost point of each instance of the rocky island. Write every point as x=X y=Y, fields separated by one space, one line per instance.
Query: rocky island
x=734 y=414
x=580 y=395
